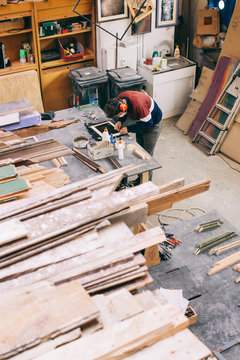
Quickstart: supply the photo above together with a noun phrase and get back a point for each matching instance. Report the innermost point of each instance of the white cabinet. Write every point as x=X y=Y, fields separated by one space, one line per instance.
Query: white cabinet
x=170 y=89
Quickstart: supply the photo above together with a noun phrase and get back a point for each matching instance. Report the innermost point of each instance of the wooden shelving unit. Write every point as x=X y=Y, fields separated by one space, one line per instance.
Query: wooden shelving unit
x=13 y=39
x=55 y=81
x=56 y=85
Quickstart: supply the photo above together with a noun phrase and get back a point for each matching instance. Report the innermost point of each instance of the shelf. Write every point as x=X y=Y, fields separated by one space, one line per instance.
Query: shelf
x=51 y=64
x=63 y=35
x=14 y=33
x=16 y=67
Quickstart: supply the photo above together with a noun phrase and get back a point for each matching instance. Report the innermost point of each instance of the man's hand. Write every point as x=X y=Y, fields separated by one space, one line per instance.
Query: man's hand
x=118 y=126
x=124 y=130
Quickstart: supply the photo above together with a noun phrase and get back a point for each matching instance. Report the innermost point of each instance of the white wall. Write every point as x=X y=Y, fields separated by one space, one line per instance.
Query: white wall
x=158 y=39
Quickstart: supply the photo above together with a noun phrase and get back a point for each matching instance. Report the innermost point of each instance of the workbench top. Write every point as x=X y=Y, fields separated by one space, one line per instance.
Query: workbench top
x=75 y=168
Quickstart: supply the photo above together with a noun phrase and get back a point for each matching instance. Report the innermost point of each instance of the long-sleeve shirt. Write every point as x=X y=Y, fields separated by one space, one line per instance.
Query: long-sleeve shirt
x=141 y=108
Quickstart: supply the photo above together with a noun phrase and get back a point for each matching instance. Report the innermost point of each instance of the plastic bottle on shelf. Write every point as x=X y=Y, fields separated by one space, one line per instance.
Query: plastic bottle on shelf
x=120 y=150
x=177 y=51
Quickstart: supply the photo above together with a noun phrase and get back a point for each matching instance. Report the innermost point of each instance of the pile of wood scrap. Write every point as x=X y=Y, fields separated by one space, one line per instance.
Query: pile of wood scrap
x=11 y=185
x=63 y=322
x=30 y=153
x=224 y=263
x=67 y=236
x=42 y=179
x=8 y=138
x=23 y=181
x=59 y=248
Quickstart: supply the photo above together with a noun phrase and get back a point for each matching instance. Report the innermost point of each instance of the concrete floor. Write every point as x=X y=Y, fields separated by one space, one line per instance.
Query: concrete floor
x=179 y=158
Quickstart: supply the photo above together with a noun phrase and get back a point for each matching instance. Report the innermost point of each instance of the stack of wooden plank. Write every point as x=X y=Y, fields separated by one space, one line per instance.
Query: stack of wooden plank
x=8 y=138
x=66 y=237
x=37 y=321
x=23 y=181
x=60 y=247
x=30 y=153
x=42 y=179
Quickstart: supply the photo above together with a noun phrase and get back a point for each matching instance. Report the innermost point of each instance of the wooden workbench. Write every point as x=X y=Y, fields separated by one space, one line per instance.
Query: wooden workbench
x=76 y=169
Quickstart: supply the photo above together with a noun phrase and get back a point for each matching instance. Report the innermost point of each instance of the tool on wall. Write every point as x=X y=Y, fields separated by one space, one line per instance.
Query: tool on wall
x=214 y=128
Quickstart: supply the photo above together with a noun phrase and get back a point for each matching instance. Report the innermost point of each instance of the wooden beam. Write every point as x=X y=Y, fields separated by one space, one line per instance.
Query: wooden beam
x=166 y=200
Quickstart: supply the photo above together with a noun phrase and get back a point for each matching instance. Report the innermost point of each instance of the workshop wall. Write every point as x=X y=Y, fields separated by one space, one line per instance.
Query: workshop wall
x=140 y=46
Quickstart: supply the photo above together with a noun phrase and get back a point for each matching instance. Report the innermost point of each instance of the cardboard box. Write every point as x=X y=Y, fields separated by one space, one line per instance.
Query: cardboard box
x=231 y=143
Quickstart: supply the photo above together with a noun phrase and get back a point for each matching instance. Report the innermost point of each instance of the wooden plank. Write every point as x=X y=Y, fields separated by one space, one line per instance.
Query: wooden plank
x=139 y=242
x=45 y=312
x=65 y=219
x=224 y=263
x=121 y=279
x=13 y=188
x=182 y=345
x=142 y=330
x=123 y=304
x=107 y=273
x=39 y=151
x=166 y=200
x=175 y=184
x=137 y=283
x=7 y=172
x=12 y=230
x=49 y=345
x=9 y=210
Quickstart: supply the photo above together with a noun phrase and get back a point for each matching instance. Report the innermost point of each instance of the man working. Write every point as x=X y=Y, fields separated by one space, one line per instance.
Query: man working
x=136 y=112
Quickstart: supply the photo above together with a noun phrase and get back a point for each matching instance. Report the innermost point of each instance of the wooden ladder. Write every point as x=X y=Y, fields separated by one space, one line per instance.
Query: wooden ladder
x=219 y=119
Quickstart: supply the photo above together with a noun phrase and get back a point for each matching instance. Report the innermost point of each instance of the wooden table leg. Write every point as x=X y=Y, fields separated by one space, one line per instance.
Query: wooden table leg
x=151 y=254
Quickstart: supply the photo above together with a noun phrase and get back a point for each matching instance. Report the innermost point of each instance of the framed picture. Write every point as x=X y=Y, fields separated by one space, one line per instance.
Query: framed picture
x=166 y=12
x=108 y=10
x=143 y=26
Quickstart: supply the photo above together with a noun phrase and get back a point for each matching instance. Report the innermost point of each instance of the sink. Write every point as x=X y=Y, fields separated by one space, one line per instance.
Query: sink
x=177 y=63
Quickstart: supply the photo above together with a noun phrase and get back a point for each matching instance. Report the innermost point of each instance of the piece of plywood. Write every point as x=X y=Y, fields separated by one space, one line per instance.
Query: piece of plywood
x=185 y=121
x=22 y=85
x=123 y=304
x=201 y=90
x=136 y=333
x=183 y=345
x=46 y=312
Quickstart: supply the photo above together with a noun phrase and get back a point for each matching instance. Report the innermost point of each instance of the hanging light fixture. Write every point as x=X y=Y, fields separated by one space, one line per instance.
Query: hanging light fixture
x=221 y=4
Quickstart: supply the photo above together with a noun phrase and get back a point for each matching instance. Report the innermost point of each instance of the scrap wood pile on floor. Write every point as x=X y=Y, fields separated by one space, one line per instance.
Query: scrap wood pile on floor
x=59 y=248
x=64 y=322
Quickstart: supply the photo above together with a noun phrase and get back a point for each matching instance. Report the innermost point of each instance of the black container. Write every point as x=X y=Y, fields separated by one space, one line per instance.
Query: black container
x=90 y=86
x=123 y=79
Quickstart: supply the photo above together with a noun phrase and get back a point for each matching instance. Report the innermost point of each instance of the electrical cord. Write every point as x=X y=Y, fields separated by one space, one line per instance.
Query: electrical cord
x=191 y=211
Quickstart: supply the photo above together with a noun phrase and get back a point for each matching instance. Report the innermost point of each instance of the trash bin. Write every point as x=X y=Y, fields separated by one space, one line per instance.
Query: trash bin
x=90 y=86
x=123 y=79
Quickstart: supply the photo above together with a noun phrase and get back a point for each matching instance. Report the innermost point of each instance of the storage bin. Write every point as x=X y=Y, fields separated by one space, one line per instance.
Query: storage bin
x=90 y=86
x=77 y=45
x=123 y=79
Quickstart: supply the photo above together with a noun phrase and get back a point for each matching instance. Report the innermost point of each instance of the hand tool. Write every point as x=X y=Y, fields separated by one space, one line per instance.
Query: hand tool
x=47 y=116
